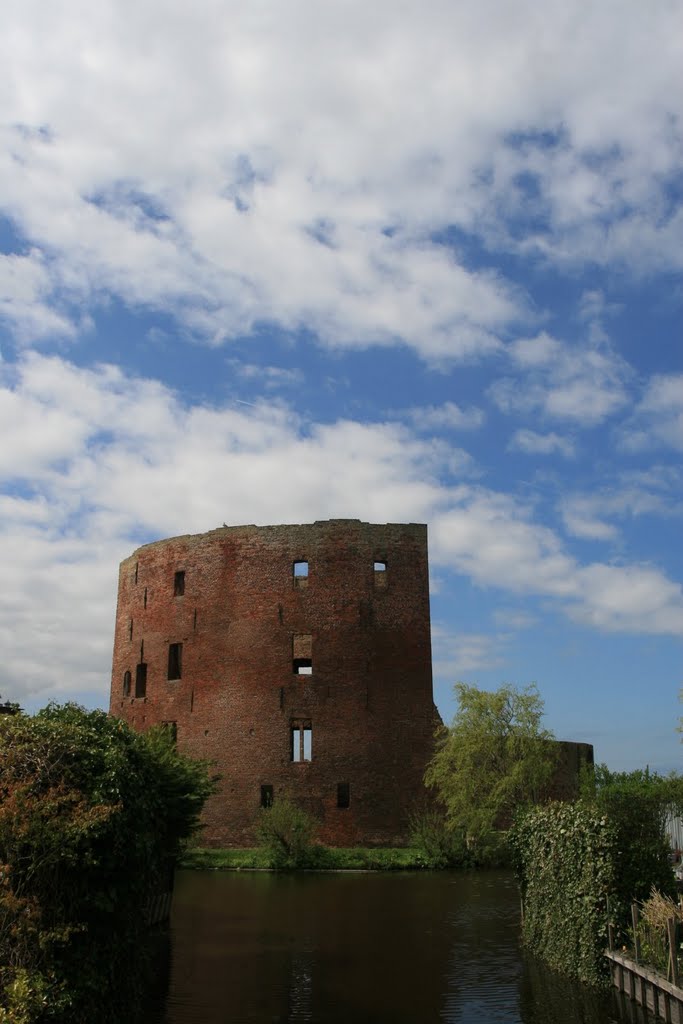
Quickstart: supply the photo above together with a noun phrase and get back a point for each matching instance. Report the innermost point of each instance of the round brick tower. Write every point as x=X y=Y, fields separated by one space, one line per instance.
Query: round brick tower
x=297 y=659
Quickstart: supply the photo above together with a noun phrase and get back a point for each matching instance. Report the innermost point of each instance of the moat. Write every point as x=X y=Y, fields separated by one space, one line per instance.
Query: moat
x=353 y=947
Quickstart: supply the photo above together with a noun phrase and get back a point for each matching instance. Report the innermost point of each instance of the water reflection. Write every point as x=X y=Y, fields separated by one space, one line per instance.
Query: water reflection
x=379 y=948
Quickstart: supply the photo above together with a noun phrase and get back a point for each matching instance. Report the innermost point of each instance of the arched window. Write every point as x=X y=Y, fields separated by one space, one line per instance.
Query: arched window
x=126 y=683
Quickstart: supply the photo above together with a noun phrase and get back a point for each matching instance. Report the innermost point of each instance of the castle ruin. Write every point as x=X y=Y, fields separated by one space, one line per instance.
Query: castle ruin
x=296 y=659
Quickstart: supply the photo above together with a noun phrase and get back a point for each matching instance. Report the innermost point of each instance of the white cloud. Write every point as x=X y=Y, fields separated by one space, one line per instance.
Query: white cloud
x=584 y=384
x=448 y=416
x=293 y=163
x=95 y=462
x=658 y=418
x=491 y=539
x=631 y=497
x=533 y=443
x=269 y=378
x=456 y=655
x=513 y=618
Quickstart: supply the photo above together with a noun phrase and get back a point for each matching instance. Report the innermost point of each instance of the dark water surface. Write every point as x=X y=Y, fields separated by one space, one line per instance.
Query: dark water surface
x=346 y=948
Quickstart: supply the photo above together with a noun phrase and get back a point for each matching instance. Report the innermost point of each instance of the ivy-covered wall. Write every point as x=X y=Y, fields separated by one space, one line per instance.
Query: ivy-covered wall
x=566 y=856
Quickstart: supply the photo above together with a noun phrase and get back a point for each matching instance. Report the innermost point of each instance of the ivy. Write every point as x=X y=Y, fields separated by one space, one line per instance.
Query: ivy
x=565 y=857
x=570 y=858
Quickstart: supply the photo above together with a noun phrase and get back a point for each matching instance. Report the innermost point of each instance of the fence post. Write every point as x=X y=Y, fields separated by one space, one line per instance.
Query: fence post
x=673 y=957
x=636 y=940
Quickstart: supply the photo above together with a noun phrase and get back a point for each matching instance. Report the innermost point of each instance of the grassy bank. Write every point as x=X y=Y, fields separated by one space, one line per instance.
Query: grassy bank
x=355 y=858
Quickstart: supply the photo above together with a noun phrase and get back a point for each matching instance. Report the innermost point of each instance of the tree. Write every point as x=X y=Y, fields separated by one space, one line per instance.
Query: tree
x=494 y=757
x=637 y=803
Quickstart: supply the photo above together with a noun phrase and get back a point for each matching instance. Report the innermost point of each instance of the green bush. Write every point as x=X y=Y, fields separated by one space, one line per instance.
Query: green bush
x=439 y=845
x=92 y=816
x=285 y=833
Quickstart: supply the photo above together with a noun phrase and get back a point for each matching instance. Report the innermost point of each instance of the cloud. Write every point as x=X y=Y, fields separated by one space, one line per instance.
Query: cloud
x=632 y=496
x=26 y=289
x=456 y=655
x=658 y=417
x=491 y=538
x=584 y=384
x=448 y=416
x=303 y=165
x=95 y=462
x=532 y=443
x=270 y=378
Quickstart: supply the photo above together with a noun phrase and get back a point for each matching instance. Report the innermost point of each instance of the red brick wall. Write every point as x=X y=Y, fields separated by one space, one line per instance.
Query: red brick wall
x=242 y=619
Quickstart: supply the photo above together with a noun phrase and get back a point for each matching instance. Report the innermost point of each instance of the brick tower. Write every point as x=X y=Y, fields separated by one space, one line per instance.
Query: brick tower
x=297 y=659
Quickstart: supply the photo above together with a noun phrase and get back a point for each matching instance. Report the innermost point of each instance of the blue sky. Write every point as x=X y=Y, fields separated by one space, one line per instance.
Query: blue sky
x=284 y=262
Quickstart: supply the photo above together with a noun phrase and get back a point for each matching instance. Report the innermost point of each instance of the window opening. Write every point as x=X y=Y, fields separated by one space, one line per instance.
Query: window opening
x=266 y=796
x=136 y=571
x=179 y=584
x=126 y=683
x=175 y=661
x=380 y=575
x=194 y=624
x=301 y=570
x=144 y=598
x=301 y=741
x=343 y=794
x=141 y=680
x=130 y=630
x=302 y=654
x=142 y=650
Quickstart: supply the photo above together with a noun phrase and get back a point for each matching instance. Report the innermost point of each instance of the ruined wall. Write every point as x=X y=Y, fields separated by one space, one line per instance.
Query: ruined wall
x=292 y=657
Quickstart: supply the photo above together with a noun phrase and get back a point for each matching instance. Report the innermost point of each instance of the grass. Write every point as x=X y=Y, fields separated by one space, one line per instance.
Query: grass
x=356 y=858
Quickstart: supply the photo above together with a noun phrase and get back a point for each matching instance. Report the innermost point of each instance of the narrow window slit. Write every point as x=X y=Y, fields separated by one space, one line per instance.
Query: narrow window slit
x=175 y=661
x=179 y=584
x=141 y=680
x=343 y=794
x=266 y=796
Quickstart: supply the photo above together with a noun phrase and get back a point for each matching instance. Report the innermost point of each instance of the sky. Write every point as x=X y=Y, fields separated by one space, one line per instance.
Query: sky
x=401 y=262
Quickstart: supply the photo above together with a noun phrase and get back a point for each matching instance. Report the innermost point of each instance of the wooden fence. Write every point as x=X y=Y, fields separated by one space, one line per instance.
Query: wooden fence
x=641 y=982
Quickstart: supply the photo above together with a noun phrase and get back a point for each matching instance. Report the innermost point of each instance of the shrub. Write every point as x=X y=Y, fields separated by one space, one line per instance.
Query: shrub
x=285 y=832
x=439 y=846
x=91 y=816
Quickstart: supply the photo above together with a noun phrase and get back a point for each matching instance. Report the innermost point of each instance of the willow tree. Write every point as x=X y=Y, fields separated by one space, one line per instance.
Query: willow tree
x=494 y=758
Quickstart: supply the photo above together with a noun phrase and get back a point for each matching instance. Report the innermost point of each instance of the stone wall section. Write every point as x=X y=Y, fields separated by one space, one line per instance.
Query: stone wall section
x=321 y=627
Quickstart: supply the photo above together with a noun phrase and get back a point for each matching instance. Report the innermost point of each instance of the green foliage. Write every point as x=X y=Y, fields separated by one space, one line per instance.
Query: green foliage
x=494 y=757
x=570 y=858
x=637 y=803
x=285 y=832
x=439 y=845
x=91 y=816
x=319 y=858
x=566 y=857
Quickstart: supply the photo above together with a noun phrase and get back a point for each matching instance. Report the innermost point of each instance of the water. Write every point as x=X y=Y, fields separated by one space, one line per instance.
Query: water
x=354 y=948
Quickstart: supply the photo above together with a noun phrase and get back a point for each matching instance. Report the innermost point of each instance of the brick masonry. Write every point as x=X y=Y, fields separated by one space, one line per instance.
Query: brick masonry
x=344 y=651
